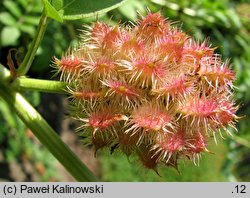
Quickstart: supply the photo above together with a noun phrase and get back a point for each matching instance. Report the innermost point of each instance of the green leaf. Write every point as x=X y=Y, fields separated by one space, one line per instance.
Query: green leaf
x=222 y=18
x=13 y=8
x=51 y=11
x=33 y=20
x=24 y=3
x=7 y=19
x=29 y=29
x=9 y=35
x=79 y=9
x=234 y=18
x=241 y=41
x=130 y=8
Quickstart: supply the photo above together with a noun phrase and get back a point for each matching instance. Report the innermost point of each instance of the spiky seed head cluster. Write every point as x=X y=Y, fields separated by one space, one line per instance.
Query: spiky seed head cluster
x=149 y=90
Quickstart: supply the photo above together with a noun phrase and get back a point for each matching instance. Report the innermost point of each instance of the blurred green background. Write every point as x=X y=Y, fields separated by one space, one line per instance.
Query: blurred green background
x=226 y=23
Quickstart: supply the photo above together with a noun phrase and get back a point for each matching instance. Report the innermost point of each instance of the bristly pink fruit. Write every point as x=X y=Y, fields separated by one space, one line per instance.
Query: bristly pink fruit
x=69 y=66
x=149 y=90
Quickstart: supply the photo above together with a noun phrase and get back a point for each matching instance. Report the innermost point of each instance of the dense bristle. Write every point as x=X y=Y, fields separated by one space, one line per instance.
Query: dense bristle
x=149 y=90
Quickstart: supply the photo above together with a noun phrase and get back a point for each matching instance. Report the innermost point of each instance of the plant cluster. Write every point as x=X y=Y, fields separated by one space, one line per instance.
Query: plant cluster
x=148 y=89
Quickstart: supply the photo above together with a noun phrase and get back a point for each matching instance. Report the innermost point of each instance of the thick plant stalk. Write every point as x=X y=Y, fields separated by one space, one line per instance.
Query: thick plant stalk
x=29 y=57
x=32 y=84
x=48 y=86
x=46 y=134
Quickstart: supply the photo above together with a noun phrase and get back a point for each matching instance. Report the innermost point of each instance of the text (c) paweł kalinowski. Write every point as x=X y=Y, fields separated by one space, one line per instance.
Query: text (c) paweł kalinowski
x=61 y=189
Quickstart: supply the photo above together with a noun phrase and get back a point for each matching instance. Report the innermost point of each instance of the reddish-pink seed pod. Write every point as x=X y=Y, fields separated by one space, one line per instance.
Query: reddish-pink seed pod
x=149 y=90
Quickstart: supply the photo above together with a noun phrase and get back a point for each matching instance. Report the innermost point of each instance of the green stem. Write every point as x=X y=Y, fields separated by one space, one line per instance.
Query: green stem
x=46 y=134
x=29 y=57
x=49 y=86
x=23 y=83
x=4 y=74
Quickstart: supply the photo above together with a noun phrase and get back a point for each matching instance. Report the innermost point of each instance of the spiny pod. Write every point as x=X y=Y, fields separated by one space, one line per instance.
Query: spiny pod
x=149 y=90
